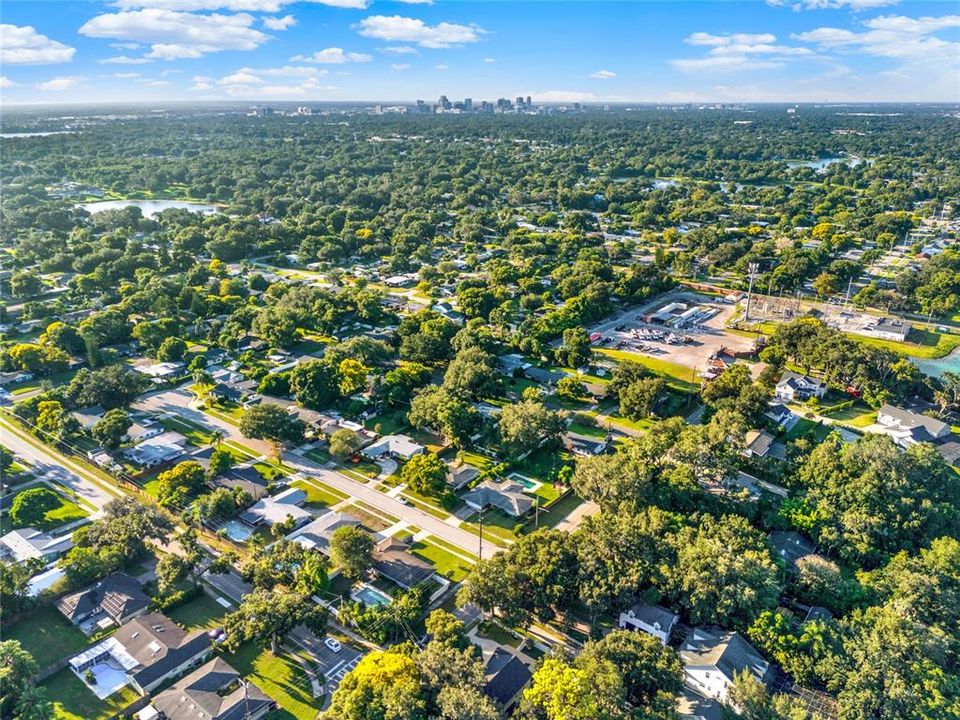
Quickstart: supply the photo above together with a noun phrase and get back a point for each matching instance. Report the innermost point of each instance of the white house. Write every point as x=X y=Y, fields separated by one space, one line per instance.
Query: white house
x=906 y=427
x=796 y=387
x=399 y=446
x=712 y=659
x=651 y=619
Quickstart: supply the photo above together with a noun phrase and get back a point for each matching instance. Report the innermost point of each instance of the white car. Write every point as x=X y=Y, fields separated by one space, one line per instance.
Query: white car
x=333 y=644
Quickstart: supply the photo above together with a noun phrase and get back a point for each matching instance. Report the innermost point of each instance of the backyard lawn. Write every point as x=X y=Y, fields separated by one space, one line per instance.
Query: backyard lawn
x=72 y=700
x=543 y=464
x=204 y=612
x=279 y=677
x=450 y=565
x=319 y=495
x=679 y=377
x=47 y=635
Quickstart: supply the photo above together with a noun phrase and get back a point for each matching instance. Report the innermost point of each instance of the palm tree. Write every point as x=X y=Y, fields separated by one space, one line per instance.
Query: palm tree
x=216 y=437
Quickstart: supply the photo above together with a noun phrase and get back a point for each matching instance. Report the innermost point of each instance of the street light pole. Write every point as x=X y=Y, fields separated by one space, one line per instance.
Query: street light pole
x=752 y=270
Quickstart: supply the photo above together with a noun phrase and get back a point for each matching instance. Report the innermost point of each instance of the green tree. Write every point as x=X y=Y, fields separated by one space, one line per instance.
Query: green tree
x=17 y=669
x=180 y=484
x=575 y=351
x=110 y=430
x=171 y=349
x=472 y=374
x=30 y=507
x=344 y=443
x=527 y=425
x=638 y=399
x=425 y=474
x=266 y=616
x=560 y=691
x=384 y=685
x=267 y=421
x=434 y=407
x=351 y=550
x=314 y=384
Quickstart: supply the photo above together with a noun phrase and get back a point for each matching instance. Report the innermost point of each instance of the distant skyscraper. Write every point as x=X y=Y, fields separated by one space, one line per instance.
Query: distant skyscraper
x=468 y=105
x=529 y=102
x=519 y=102
x=444 y=103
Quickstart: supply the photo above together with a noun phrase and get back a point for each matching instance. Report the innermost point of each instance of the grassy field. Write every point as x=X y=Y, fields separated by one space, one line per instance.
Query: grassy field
x=543 y=464
x=926 y=345
x=279 y=677
x=679 y=377
x=47 y=635
x=451 y=566
x=72 y=700
x=204 y=612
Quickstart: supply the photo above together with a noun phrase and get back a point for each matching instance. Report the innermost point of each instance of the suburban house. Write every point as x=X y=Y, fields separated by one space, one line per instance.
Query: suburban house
x=29 y=543
x=505 y=676
x=779 y=414
x=89 y=416
x=651 y=619
x=584 y=444
x=392 y=560
x=162 y=371
x=794 y=387
x=758 y=443
x=713 y=658
x=276 y=509
x=906 y=427
x=397 y=446
x=548 y=378
x=214 y=691
x=790 y=546
x=157 y=450
x=505 y=495
x=143 y=653
x=112 y=601
x=316 y=534
x=144 y=429
x=458 y=477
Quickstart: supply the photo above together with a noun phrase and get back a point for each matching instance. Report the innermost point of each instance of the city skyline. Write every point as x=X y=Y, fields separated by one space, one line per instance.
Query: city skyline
x=355 y=50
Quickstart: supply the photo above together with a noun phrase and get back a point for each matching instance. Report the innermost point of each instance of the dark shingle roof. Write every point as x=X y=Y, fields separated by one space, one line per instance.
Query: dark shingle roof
x=159 y=645
x=206 y=694
x=118 y=595
x=392 y=560
x=727 y=652
x=506 y=675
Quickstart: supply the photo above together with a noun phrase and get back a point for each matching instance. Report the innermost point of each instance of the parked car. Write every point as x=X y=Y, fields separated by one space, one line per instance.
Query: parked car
x=333 y=644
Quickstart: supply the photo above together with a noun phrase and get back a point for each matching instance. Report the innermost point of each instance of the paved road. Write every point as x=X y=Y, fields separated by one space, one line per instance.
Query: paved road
x=52 y=466
x=177 y=402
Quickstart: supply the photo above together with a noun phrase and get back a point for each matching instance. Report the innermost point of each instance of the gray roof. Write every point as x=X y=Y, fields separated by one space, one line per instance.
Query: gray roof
x=505 y=675
x=507 y=496
x=159 y=645
x=211 y=692
x=654 y=615
x=691 y=706
x=908 y=420
x=790 y=545
x=393 y=560
x=118 y=595
x=316 y=534
x=726 y=652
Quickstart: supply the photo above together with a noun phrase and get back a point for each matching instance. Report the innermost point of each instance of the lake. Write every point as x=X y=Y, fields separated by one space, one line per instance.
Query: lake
x=35 y=134
x=150 y=208
x=936 y=368
x=821 y=164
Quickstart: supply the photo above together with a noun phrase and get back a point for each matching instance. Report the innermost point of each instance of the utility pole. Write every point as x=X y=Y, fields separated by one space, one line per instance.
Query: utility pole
x=752 y=270
x=536 y=513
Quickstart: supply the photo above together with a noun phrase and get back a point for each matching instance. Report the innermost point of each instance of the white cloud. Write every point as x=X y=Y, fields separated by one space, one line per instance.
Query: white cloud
x=736 y=52
x=333 y=56
x=59 y=83
x=490 y=61
x=267 y=6
x=279 y=23
x=124 y=60
x=399 y=50
x=854 y=5
x=911 y=40
x=6 y=82
x=441 y=66
x=126 y=76
x=403 y=29
x=603 y=75
x=23 y=45
x=125 y=46
x=416 y=2
x=174 y=35
x=398 y=67
x=241 y=77
x=260 y=83
x=562 y=96
x=155 y=83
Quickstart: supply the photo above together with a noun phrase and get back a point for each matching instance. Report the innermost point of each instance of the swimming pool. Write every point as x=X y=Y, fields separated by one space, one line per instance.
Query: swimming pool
x=237 y=531
x=525 y=481
x=370 y=596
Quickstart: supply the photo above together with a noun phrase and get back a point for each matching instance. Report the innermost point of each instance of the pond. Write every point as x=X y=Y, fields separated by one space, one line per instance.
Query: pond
x=150 y=208
x=936 y=368
x=821 y=164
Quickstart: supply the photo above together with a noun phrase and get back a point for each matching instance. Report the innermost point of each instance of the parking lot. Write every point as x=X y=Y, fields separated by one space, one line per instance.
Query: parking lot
x=333 y=665
x=689 y=345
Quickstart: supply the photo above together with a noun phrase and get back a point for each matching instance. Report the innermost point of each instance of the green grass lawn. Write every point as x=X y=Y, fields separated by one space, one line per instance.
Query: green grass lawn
x=195 y=434
x=318 y=455
x=856 y=415
x=72 y=700
x=497 y=526
x=543 y=464
x=496 y=632
x=805 y=427
x=204 y=612
x=679 y=377
x=390 y=423
x=279 y=677
x=920 y=344
x=47 y=635
x=451 y=566
x=318 y=494
x=556 y=512
x=68 y=511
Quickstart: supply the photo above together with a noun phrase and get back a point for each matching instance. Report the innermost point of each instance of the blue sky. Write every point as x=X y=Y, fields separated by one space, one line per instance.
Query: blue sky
x=697 y=51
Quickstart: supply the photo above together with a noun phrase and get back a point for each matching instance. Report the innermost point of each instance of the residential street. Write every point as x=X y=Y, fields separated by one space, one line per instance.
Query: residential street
x=52 y=466
x=177 y=402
